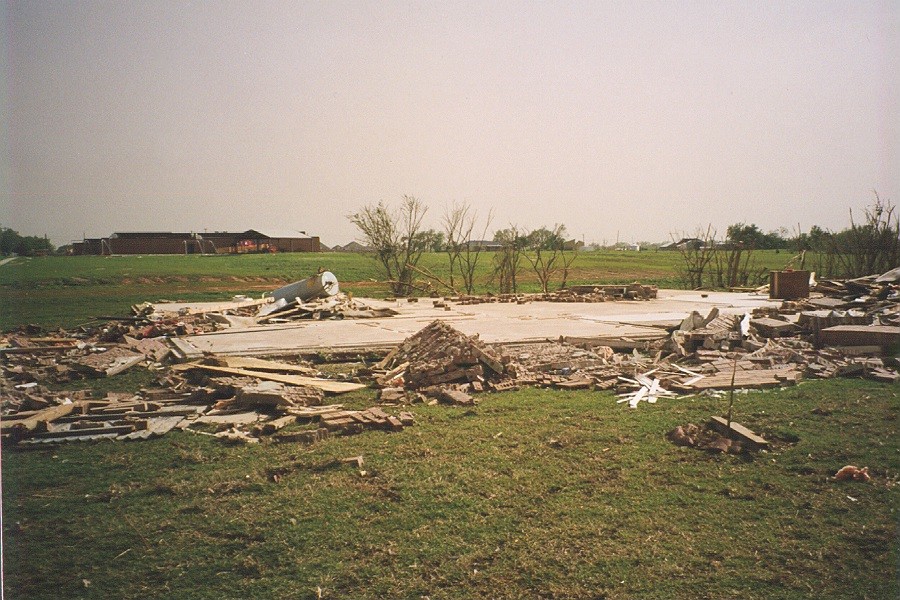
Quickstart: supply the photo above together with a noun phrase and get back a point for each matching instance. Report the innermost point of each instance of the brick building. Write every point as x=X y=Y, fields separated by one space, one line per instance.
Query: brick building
x=217 y=242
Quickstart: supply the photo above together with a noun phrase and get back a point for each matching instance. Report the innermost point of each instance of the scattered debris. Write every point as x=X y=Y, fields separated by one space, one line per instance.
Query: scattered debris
x=108 y=363
x=717 y=437
x=842 y=329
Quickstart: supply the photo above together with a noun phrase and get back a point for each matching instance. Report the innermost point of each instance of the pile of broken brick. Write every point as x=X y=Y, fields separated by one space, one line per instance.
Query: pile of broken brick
x=574 y=293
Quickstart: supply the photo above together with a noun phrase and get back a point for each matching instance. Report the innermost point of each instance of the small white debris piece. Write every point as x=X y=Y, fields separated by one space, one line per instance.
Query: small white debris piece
x=649 y=390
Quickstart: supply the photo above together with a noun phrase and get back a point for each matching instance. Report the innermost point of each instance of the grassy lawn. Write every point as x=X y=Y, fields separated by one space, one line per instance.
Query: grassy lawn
x=532 y=494
x=68 y=291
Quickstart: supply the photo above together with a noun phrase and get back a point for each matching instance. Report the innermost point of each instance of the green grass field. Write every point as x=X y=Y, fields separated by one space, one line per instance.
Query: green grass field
x=68 y=291
x=532 y=494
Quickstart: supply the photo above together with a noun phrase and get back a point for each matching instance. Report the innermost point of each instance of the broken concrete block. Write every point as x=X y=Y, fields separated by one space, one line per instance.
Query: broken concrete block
x=108 y=363
x=885 y=336
x=277 y=395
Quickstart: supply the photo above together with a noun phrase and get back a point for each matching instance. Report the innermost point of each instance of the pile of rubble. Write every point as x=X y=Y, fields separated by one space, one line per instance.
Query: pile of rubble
x=439 y=354
x=844 y=329
x=853 y=331
x=88 y=352
x=339 y=306
x=575 y=293
x=241 y=399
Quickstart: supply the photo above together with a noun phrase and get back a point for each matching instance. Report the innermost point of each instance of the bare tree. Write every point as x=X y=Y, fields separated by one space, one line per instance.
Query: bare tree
x=507 y=259
x=546 y=253
x=396 y=237
x=471 y=249
x=734 y=265
x=456 y=220
x=872 y=247
x=567 y=260
x=696 y=254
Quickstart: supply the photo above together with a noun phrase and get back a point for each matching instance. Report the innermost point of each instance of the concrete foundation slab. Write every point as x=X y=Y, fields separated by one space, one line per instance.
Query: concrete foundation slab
x=493 y=322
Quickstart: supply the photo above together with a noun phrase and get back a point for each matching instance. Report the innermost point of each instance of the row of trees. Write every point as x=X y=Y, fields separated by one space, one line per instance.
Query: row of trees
x=11 y=242
x=398 y=241
x=869 y=246
x=398 y=238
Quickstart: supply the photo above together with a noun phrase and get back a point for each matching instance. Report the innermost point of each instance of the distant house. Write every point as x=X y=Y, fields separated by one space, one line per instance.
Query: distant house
x=573 y=245
x=684 y=243
x=353 y=247
x=484 y=245
x=217 y=242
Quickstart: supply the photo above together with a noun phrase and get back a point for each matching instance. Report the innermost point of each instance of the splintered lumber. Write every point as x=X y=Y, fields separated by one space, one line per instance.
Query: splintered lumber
x=259 y=364
x=42 y=416
x=650 y=390
x=270 y=427
x=326 y=385
x=739 y=431
x=34 y=349
x=309 y=412
x=154 y=348
x=752 y=379
x=86 y=431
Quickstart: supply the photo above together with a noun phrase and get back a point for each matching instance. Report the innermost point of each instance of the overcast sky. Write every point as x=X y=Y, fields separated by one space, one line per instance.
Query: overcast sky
x=634 y=119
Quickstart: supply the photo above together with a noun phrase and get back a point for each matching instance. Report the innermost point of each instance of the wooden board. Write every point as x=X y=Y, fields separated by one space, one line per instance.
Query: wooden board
x=46 y=415
x=739 y=431
x=757 y=379
x=258 y=364
x=326 y=385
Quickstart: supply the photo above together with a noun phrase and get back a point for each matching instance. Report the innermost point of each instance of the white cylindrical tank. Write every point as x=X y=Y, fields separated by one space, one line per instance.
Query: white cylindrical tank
x=318 y=286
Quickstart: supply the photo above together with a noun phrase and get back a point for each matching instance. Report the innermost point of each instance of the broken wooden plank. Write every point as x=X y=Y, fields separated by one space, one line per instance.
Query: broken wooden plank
x=326 y=385
x=754 y=379
x=259 y=364
x=34 y=349
x=111 y=416
x=739 y=431
x=65 y=433
x=33 y=421
x=274 y=425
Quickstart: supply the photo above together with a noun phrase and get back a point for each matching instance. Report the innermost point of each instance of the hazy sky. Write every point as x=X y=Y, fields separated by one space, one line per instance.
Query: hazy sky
x=636 y=119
